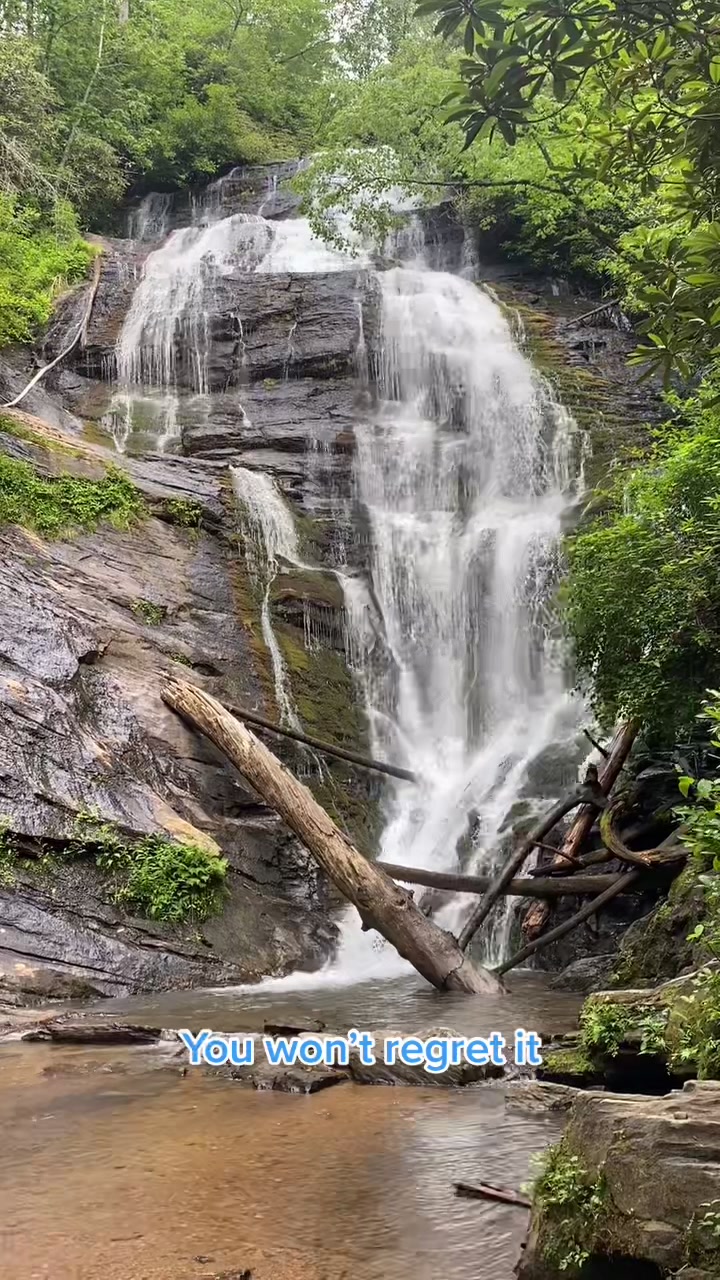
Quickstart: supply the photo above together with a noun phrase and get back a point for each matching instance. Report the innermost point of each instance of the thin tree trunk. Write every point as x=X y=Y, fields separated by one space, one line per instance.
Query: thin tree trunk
x=585 y=794
x=382 y=904
x=621 y=885
x=325 y=748
x=551 y=887
x=88 y=88
x=537 y=916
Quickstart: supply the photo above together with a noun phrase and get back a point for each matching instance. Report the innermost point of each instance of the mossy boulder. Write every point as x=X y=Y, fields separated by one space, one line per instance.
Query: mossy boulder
x=656 y=947
x=633 y=1182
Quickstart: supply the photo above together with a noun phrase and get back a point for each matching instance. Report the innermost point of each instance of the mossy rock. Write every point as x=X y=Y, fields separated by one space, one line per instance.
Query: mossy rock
x=656 y=948
x=569 y=1064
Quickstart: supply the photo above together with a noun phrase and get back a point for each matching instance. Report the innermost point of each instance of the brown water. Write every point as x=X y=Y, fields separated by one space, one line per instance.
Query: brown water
x=110 y=1170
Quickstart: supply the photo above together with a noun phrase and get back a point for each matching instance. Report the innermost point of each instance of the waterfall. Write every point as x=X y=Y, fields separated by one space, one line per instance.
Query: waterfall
x=465 y=470
x=270 y=542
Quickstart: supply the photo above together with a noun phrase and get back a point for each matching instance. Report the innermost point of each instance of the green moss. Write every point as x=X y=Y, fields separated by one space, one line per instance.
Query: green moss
x=157 y=877
x=8 y=856
x=180 y=657
x=327 y=704
x=184 y=512
x=571 y=1206
x=567 y=1062
x=60 y=506
x=11 y=427
x=657 y=947
x=152 y=614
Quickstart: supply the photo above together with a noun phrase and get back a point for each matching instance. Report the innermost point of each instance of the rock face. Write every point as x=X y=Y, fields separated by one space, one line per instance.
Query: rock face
x=90 y=627
x=656 y=1164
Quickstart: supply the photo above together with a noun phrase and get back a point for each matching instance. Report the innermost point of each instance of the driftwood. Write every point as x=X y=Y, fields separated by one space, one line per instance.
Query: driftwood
x=614 y=760
x=80 y=334
x=382 y=904
x=325 y=748
x=667 y=852
x=589 y=793
x=532 y=887
x=485 y=1191
x=621 y=885
x=620 y=749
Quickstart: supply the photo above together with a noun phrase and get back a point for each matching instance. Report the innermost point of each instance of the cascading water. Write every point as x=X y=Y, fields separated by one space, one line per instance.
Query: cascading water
x=465 y=471
x=270 y=541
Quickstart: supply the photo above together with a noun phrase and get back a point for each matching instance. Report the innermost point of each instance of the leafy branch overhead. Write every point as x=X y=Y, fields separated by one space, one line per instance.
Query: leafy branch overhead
x=636 y=85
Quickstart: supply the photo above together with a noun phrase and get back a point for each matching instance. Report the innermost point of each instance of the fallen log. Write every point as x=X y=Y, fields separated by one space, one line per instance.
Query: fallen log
x=382 y=904
x=530 y=887
x=588 y=793
x=325 y=748
x=485 y=1191
x=621 y=885
x=580 y=828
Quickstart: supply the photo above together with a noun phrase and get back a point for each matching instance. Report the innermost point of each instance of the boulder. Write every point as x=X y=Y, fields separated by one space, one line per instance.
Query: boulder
x=654 y=1164
x=590 y=973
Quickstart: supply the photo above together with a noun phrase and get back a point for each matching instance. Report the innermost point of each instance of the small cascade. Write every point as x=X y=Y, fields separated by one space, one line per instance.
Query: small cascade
x=149 y=219
x=270 y=542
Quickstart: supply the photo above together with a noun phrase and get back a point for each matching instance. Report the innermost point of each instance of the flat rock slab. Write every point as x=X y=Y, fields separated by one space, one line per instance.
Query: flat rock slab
x=89 y=1032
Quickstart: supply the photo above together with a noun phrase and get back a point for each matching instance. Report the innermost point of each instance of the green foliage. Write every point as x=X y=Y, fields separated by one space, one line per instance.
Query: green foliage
x=604 y=1025
x=152 y=614
x=702 y=1238
x=63 y=505
x=159 y=878
x=7 y=856
x=642 y=602
x=185 y=512
x=572 y=1204
x=701 y=820
x=651 y=69
x=38 y=259
x=694 y=1038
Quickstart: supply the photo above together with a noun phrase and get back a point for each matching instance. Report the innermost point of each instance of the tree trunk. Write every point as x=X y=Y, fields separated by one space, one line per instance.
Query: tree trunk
x=382 y=904
x=575 y=886
x=537 y=916
x=590 y=793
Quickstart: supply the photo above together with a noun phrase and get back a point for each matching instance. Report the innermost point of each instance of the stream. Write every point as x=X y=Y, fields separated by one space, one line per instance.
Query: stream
x=115 y=1165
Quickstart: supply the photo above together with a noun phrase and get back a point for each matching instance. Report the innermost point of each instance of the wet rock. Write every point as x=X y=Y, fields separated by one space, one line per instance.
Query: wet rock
x=590 y=973
x=82 y=726
x=258 y=326
x=28 y=984
x=88 y=1031
x=537 y=1095
x=399 y=1074
x=299 y=1079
